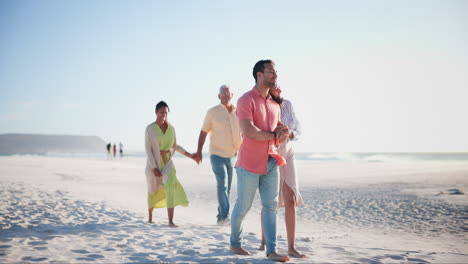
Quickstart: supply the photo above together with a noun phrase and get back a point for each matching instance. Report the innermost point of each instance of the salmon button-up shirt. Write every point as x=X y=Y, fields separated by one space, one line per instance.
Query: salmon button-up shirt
x=265 y=114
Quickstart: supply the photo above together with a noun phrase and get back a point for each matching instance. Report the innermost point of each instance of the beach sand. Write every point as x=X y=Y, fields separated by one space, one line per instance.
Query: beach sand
x=77 y=210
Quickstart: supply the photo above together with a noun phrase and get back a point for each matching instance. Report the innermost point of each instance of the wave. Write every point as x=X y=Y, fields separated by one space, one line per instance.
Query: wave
x=382 y=156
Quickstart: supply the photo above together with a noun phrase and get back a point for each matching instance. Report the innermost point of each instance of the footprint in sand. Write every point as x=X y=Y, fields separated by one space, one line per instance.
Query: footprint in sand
x=115 y=239
x=186 y=239
x=305 y=249
x=340 y=249
x=29 y=258
x=85 y=259
x=141 y=258
x=49 y=231
x=188 y=252
x=37 y=243
x=417 y=260
x=140 y=255
x=161 y=244
x=366 y=260
x=221 y=237
x=162 y=257
x=395 y=257
x=80 y=251
x=216 y=245
x=41 y=248
x=305 y=239
x=95 y=256
x=177 y=233
x=217 y=250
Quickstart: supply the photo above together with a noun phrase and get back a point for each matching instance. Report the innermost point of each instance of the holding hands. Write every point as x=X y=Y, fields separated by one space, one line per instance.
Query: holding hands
x=282 y=133
x=198 y=157
x=192 y=156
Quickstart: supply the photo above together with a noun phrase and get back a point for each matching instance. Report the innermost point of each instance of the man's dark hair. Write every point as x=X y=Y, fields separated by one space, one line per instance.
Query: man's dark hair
x=260 y=67
x=161 y=105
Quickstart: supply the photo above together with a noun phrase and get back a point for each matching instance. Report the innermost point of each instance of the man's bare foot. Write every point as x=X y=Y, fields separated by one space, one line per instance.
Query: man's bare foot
x=262 y=247
x=276 y=257
x=294 y=253
x=239 y=251
x=171 y=224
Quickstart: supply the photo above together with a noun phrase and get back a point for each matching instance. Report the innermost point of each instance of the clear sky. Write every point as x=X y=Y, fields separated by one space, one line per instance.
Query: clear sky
x=370 y=75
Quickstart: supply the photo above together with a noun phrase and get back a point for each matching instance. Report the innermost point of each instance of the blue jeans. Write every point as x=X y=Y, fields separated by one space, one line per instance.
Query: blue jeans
x=222 y=168
x=268 y=185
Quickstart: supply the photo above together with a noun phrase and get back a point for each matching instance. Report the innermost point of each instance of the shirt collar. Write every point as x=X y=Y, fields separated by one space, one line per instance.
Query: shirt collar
x=257 y=93
x=224 y=107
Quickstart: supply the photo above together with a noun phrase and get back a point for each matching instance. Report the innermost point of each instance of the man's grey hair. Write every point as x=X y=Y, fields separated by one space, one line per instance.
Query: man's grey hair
x=223 y=87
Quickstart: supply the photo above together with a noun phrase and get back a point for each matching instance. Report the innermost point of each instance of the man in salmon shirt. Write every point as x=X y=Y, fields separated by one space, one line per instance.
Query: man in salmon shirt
x=257 y=164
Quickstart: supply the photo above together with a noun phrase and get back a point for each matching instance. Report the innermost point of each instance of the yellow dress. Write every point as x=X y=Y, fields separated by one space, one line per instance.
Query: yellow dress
x=172 y=193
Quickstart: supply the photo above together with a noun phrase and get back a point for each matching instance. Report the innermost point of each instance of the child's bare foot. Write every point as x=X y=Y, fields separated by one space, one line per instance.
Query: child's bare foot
x=277 y=257
x=294 y=253
x=171 y=224
x=239 y=251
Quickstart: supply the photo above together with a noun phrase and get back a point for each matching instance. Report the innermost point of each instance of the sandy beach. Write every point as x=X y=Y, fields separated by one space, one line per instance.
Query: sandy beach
x=92 y=210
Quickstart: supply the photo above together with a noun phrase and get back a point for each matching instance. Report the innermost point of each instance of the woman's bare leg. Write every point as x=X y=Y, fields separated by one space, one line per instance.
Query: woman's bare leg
x=170 y=216
x=150 y=215
x=262 y=245
x=290 y=219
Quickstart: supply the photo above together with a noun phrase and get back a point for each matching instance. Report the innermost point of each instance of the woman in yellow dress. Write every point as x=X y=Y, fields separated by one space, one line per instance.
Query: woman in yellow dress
x=164 y=190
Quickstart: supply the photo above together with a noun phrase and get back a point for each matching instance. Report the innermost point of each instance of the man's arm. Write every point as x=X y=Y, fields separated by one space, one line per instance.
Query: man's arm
x=251 y=131
x=201 y=142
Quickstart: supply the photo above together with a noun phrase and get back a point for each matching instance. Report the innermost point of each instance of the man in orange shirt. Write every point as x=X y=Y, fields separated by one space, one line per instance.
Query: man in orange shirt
x=223 y=126
x=257 y=165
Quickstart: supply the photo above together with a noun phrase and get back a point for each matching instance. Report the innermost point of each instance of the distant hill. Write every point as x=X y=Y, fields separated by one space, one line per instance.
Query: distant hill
x=37 y=144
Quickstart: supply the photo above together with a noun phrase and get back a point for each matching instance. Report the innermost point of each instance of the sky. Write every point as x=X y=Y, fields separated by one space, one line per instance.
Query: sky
x=363 y=76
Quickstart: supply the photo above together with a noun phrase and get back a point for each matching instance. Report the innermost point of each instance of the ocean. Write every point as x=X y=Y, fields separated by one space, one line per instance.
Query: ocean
x=312 y=156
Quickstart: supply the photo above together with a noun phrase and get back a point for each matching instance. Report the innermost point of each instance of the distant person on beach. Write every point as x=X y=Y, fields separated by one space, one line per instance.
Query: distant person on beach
x=114 y=149
x=164 y=190
x=121 y=149
x=257 y=164
x=289 y=195
x=223 y=126
x=109 y=155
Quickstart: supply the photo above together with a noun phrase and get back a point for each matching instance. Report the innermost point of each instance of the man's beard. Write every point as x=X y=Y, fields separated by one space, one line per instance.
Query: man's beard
x=270 y=84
